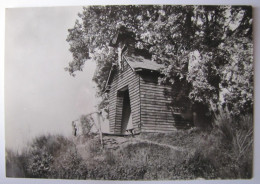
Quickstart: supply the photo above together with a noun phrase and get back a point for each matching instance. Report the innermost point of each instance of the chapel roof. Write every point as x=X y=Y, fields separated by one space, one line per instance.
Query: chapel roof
x=139 y=62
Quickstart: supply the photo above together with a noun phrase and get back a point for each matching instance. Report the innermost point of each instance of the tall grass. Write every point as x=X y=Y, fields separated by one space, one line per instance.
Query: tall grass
x=236 y=138
x=226 y=151
x=223 y=152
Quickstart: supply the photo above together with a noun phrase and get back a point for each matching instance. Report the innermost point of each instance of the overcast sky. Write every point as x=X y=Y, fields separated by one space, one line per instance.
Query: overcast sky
x=40 y=97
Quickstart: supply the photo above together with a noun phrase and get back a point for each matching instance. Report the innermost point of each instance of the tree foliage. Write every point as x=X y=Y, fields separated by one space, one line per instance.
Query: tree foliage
x=206 y=50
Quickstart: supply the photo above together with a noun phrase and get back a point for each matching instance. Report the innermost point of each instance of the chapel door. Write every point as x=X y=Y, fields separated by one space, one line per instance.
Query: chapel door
x=127 y=123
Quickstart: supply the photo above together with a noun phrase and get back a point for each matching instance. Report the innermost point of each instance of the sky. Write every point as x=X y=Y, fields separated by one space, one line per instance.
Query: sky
x=40 y=97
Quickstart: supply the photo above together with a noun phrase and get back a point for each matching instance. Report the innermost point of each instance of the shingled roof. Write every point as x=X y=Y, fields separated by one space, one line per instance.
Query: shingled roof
x=139 y=62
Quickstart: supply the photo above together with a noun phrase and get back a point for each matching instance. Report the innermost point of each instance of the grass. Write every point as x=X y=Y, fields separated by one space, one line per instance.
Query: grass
x=183 y=138
x=223 y=152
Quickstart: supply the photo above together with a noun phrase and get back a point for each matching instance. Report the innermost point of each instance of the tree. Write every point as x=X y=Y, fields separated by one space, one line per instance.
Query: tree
x=206 y=50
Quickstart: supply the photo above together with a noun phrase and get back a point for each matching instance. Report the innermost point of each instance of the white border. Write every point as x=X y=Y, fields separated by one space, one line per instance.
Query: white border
x=47 y=3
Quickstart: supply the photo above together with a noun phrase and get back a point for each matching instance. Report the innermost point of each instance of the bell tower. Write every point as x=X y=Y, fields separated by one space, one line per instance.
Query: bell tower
x=124 y=42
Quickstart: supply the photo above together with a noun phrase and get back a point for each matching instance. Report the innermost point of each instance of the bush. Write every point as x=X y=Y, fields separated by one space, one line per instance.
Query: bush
x=87 y=123
x=39 y=165
x=69 y=165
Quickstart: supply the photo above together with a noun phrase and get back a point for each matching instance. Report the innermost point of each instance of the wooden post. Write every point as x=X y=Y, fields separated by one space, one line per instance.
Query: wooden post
x=99 y=127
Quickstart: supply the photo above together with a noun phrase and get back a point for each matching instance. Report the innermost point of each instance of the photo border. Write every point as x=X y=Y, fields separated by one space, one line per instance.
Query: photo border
x=48 y=3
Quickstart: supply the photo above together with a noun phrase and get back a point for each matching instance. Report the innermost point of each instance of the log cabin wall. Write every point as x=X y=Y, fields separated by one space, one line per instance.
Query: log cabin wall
x=126 y=78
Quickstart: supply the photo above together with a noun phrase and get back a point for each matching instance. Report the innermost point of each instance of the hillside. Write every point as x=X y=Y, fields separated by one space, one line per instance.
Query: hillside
x=138 y=157
x=183 y=154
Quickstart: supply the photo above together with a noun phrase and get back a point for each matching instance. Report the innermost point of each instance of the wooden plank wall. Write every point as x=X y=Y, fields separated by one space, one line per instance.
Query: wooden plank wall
x=120 y=80
x=156 y=116
x=119 y=112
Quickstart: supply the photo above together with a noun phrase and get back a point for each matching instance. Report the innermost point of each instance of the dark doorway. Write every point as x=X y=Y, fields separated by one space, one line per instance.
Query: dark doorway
x=127 y=123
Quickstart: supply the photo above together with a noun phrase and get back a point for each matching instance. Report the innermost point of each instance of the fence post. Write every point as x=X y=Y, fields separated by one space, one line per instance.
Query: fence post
x=99 y=127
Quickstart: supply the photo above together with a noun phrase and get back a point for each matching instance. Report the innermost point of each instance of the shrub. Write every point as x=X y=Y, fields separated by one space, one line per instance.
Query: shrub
x=86 y=122
x=39 y=165
x=69 y=165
